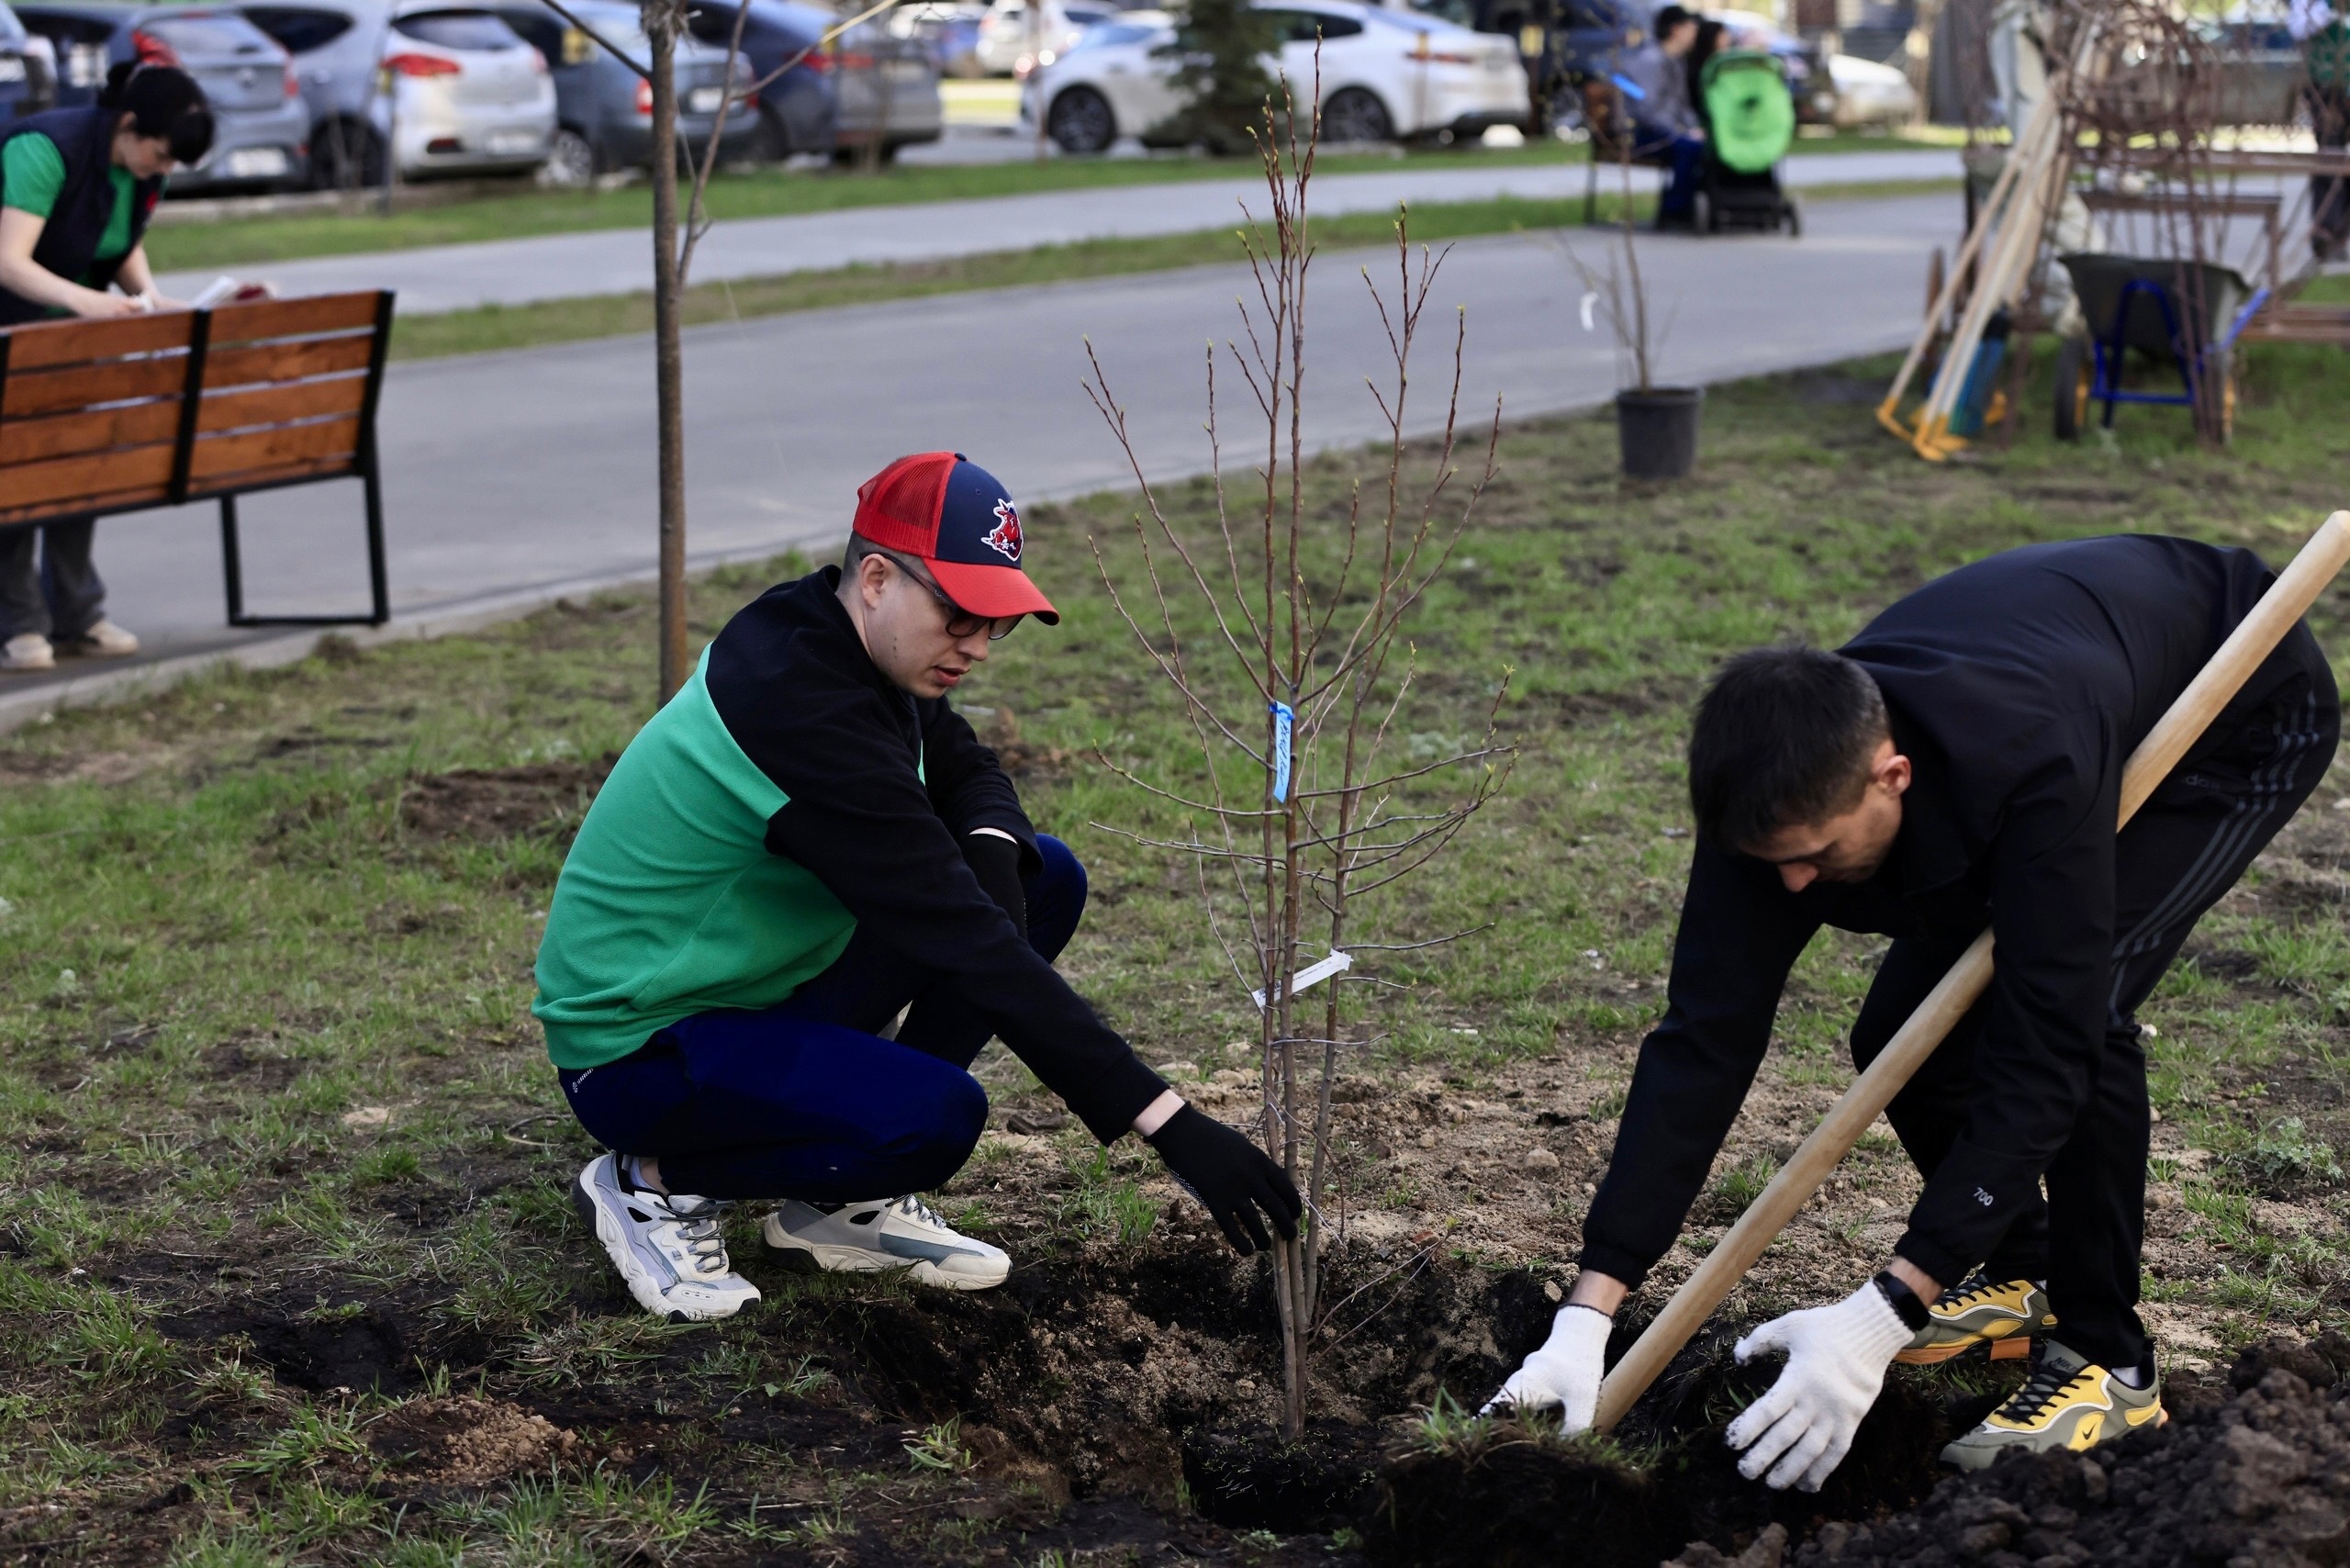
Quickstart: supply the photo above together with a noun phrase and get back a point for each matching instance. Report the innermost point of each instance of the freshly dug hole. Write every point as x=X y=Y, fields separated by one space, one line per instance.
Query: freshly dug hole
x=1528 y=1497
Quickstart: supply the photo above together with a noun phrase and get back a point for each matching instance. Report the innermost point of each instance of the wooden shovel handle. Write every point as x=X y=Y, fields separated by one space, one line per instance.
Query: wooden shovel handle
x=2279 y=609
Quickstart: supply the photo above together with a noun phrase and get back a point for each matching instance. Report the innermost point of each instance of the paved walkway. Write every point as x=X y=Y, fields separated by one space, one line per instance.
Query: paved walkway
x=562 y=266
x=512 y=477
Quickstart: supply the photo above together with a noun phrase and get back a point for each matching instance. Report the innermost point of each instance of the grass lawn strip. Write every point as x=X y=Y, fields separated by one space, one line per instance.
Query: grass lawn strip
x=491 y=328
x=287 y=1265
x=776 y=193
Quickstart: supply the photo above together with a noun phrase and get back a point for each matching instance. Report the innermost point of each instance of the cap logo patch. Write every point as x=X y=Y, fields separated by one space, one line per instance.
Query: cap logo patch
x=1005 y=537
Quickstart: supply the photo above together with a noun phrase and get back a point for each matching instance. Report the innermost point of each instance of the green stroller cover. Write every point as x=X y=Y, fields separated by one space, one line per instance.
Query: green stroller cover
x=1748 y=111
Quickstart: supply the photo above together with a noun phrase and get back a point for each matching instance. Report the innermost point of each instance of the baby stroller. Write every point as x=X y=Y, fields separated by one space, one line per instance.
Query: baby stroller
x=1750 y=122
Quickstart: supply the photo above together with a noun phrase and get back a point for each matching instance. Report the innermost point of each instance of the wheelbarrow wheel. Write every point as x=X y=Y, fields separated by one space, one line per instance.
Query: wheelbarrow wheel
x=2075 y=371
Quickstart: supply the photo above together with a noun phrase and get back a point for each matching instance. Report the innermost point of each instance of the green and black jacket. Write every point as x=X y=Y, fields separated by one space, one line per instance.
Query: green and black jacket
x=788 y=795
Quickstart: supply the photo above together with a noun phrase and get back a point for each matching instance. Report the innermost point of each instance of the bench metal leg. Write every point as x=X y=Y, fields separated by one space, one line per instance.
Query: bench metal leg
x=378 y=581
x=233 y=566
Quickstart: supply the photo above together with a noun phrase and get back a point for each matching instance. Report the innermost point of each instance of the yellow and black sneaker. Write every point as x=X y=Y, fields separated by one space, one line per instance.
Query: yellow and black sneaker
x=2000 y=1314
x=2068 y=1403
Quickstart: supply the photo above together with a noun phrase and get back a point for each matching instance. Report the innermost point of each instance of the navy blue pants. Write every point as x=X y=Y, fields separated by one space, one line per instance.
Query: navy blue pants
x=1688 y=153
x=805 y=1100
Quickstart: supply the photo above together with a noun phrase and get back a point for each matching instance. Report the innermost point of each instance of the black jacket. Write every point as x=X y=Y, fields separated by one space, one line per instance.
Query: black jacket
x=797 y=691
x=69 y=239
x=2018 y=687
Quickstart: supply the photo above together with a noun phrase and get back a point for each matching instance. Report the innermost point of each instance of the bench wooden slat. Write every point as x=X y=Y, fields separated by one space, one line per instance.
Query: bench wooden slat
x=64 y=435
x=311 y=468
x=265 y=363
x=255 y=458
x=288 y=318
x=39 y=345
x=272 y=403
x=109 y=502
x=58 y=391
x=69 y=480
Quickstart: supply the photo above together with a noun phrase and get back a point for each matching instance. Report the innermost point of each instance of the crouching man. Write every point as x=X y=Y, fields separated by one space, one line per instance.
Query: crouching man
x=1958 y=765
x=803 y=843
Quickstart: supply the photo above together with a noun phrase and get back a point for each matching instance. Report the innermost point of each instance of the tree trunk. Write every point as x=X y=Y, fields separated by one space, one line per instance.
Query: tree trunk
x=662 y=19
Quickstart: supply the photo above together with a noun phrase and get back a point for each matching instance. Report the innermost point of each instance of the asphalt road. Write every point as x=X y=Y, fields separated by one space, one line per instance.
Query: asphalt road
x=509 y=472
x=561 y=266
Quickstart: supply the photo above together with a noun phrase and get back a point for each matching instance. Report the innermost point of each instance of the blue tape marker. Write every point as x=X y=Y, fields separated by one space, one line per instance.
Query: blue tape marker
x=1283 y=718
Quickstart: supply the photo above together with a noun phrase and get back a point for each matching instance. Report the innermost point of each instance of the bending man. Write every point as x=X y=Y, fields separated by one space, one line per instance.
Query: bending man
x=1957 y=765
x=804 y=843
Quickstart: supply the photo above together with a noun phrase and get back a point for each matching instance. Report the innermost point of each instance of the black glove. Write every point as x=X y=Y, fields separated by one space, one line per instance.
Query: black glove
x=996 y=863
x=1232 y=1178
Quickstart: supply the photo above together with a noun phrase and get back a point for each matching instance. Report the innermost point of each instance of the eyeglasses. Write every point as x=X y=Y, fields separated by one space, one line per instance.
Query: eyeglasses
x=960 y=622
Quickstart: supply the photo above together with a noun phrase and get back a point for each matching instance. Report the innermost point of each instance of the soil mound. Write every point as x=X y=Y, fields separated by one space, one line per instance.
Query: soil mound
x=2257 y=1480
x=466 y=1441
x=485 y=803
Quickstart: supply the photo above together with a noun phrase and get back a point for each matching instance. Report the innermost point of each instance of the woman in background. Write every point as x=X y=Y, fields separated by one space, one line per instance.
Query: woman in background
x=76 y=189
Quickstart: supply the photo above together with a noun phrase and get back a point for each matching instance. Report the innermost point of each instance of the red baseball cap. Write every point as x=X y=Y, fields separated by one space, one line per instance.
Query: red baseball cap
x=950 y=513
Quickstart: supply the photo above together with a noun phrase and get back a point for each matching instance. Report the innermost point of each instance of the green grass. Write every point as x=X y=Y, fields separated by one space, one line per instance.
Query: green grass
x=490 y=329
x=262 y=938
x=772 y=193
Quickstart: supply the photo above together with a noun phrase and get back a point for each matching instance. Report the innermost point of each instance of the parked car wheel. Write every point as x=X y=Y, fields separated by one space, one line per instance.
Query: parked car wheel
x=1354 y=114
x=572 y=162
x=1080 y=121
x=345 y=156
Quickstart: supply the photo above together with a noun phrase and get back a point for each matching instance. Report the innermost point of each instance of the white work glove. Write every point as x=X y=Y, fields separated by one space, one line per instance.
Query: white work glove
x=1836 y=1360
x=1565 y=1372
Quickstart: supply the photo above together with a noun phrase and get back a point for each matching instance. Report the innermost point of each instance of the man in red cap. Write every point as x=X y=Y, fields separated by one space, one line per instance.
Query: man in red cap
x=804 y=843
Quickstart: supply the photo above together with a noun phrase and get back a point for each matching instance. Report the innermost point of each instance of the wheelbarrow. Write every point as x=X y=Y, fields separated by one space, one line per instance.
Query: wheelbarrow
x=2148 y=303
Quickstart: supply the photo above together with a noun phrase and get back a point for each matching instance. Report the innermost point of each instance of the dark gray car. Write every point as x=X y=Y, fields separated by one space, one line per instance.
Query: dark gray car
x=604 y=109
x=260 y=128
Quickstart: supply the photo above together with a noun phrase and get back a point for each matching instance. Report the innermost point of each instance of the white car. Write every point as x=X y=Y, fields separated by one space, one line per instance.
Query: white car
x=1871 y=93
x=1010 y=43
x=1385 y=75
x=468 y=96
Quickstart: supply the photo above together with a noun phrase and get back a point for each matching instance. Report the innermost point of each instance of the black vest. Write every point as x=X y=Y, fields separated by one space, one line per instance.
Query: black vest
x=69 y=241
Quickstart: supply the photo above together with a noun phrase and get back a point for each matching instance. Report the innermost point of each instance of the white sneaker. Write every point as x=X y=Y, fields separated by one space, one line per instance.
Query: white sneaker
x=28 y=650
x=885 y=1233
x=668 y=1249
x=105 y=640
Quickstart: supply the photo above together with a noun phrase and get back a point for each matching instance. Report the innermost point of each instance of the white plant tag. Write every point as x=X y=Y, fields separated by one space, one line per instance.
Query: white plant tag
x=1312 y=975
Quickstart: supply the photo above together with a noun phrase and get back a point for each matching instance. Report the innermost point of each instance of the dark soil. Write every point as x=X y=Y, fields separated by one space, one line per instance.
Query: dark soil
x=485 y=803
x=2255 y=1478
x=1526 y=1498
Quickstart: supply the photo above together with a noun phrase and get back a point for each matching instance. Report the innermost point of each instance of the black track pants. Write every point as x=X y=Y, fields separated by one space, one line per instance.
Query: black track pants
x=2182 y=851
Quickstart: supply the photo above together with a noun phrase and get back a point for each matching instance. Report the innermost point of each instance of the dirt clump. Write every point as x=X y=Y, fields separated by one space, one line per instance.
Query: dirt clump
x=466 y=1441
x=2257 y=1479
x=486 y=803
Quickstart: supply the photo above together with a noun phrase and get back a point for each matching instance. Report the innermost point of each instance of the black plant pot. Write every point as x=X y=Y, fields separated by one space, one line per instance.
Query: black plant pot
x=1658 y=428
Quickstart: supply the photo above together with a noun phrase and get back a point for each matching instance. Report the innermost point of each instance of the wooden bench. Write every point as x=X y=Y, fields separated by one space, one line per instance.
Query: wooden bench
x=185 y=406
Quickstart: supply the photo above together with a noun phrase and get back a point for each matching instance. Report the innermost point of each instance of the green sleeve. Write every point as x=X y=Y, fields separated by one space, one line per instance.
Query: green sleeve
x=32 y=171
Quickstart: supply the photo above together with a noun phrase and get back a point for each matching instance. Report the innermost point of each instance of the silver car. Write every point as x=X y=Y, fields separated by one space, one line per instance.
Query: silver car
x=338 y=48
x=468 y=95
